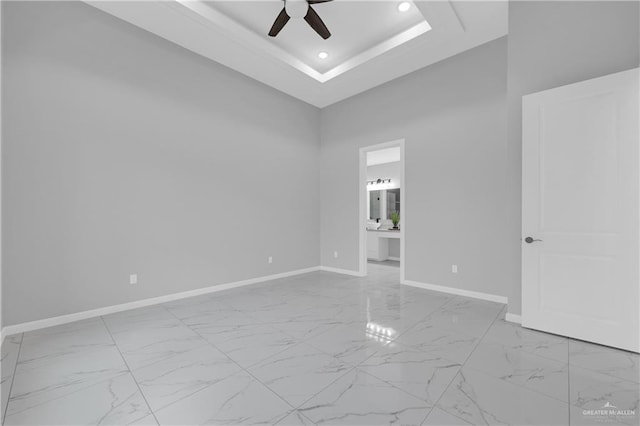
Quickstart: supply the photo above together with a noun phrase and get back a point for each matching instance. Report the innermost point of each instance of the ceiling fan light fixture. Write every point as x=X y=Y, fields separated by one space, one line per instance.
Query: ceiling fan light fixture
x=296 y=8
x=300 y=9
x=404 y=6
x=323 y=55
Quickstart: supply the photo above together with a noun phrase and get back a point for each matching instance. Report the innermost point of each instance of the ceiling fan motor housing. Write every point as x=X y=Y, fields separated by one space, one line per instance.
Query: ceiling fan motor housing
x=300 y=9
x=296 y=8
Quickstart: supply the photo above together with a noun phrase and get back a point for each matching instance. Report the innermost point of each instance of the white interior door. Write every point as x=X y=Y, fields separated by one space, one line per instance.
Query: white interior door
x=581 y=188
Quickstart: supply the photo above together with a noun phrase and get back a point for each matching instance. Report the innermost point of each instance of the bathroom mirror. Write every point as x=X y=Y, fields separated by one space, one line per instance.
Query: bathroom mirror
x=374 y=204
x=383 y=202
x=393 y=201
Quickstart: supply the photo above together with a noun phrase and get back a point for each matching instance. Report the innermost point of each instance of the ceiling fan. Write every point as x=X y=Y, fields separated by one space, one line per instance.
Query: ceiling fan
x=300 y=9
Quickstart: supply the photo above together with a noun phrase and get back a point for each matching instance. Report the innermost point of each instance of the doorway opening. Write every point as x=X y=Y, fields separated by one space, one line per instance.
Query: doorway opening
x=382 y=221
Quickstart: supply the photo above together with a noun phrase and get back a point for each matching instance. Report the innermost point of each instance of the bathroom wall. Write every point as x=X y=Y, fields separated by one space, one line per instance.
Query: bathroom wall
x=386 y=171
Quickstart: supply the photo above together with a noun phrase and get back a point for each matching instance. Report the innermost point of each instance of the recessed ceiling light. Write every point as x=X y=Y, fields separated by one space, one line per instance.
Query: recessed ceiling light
x=404 y=6
x=323 y=55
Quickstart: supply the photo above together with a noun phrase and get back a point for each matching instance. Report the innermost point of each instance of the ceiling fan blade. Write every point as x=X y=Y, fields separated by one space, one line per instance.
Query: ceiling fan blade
x=318 y=1
x=279 y=23
x=316 y=23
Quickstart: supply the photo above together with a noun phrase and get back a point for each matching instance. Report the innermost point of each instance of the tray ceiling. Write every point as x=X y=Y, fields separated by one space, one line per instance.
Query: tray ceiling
x=372 y=42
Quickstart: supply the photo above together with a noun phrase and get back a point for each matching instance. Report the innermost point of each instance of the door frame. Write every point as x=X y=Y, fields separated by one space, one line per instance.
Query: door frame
x=364 y=208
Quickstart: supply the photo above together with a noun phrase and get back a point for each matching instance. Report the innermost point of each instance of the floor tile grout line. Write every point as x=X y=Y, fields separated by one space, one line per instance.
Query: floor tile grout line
x=279 y=422
x=101 y=381
x=524 y=351
x=411 y=328
x=270 y=325
x=349 y=370
x=396 y=387
x=353 y=367
x=604 y=373
x=152 y=363
x=130 y=372
x=252 y=317
x=515 y=325
x=88 y=386
x=205 y=343
x=462 y=365
x=13 y=376
x=234 y=361
x=484 y=373
x=520 y=384
x=435 y=406
x=422 y=319
x=295 y=408
x=208 y=342
x=298 y=338
x=447 y=301
x=481 y=340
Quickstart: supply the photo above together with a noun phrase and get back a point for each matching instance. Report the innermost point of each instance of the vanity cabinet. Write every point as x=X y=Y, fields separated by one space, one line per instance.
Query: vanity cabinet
x=378 y=243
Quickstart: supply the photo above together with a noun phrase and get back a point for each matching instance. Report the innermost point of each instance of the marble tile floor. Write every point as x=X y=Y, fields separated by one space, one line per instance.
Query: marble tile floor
x=319 y=348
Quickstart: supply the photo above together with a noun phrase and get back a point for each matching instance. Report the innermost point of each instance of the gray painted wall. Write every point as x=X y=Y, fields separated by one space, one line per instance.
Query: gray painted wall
x=124 y=153
x=553 y=44
x=453 y=117
x=385 y=171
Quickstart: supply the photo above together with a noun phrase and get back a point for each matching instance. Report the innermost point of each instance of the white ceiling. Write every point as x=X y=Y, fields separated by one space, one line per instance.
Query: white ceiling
x=346 y=20
x=371 y=41
x=383 y=156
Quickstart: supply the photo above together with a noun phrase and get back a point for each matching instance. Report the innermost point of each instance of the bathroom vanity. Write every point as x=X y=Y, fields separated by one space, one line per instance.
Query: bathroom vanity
x=378 y=243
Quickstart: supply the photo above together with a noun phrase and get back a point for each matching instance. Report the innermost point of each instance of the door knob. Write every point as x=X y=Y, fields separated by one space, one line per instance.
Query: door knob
x=530 y=240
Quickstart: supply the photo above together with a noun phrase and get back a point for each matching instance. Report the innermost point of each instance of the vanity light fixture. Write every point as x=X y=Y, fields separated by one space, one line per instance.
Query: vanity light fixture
x=404 y=6
x=323 y=55
x=378 y=181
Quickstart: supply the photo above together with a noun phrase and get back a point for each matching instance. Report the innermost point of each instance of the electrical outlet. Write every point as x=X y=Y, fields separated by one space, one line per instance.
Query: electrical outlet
x=133 y=279
x=454 y=269
x=270 y=260
x=335 y=254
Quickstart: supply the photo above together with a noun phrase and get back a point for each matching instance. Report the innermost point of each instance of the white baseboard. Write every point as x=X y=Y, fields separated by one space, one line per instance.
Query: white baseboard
x=341 y=271
x=65 y=319
x=458 y=291
x=513 y=318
